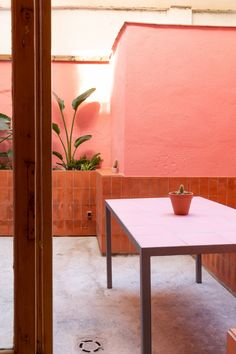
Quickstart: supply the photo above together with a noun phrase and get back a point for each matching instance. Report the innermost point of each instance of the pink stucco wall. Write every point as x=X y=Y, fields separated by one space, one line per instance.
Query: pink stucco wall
x=68 y=81
x=5 y=88
x=5 y=94
x=118 y=110
x=173 y=103
x=179 y=94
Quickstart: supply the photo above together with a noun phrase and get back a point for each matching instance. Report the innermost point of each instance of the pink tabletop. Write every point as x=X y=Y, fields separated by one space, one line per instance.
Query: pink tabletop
x=152 y=224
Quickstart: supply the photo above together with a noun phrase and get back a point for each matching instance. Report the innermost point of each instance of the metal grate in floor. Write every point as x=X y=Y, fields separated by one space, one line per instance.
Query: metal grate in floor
x=90 y=346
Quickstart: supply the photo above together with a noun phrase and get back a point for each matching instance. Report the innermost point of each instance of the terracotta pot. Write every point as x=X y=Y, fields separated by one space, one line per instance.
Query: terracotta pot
x=114 y=170
x=181 y=202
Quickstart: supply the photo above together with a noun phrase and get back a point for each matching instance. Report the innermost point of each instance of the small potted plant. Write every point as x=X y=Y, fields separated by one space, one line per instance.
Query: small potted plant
x=115 y=167
x=181 y=200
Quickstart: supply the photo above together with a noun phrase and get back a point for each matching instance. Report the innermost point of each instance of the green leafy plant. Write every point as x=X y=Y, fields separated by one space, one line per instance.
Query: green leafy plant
x=5 y=134
x=90 y=164
x=68 y=161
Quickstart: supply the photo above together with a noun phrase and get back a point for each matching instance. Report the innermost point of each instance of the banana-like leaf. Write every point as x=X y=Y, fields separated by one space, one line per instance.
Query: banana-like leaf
x=5 y=117
x=60 y=102
x=82 y=139
x=56 y=128
x=4 y=125
x=81 y=98
x=9 y=153
x=63 y=165
x=3 y=154
x=57 y=154
x=5 y=138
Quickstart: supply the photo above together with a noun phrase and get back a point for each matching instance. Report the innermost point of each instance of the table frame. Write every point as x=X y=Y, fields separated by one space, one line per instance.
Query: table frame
x=145 y=272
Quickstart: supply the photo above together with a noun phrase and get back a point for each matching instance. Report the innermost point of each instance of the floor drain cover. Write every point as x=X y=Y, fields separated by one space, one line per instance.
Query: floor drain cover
x=90 y=346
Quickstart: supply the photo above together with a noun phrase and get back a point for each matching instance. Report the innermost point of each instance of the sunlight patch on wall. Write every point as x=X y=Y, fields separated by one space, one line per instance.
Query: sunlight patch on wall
x=100 y=77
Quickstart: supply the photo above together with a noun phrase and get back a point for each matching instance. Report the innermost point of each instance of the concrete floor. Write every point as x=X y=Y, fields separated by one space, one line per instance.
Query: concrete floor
x=188 y=318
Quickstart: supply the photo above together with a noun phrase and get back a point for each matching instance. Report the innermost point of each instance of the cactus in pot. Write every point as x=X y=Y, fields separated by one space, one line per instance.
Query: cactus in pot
x=181 y=200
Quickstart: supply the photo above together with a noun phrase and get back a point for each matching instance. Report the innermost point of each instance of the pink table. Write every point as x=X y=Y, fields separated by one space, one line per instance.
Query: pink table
x=155 y=231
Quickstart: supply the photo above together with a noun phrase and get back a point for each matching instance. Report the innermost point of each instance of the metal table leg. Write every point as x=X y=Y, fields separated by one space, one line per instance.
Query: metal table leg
x=198 y=268
x=108 y=248
x=145 y=302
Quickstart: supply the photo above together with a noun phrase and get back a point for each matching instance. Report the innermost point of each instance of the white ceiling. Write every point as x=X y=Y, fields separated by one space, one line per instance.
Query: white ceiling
x=195 y=4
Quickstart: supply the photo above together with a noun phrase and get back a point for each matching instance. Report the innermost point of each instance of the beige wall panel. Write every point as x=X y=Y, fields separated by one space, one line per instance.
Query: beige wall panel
x=196 y=4
x=98 y=28
x=214 y=19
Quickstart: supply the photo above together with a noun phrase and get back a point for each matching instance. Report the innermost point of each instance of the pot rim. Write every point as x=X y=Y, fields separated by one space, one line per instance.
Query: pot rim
x=180 y=195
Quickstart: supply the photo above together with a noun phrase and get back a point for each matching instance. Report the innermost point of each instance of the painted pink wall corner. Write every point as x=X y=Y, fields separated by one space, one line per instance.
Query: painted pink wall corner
x=176 y=101
x=118 y=110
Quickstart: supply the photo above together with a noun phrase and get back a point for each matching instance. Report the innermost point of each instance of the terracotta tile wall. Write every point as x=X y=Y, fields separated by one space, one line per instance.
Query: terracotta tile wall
x=222 y=190
x=6 y=203
x=74 y=194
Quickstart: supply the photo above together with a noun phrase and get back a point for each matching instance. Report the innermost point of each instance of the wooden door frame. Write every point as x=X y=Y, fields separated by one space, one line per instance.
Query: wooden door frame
x=31 y=42
x=43 y=177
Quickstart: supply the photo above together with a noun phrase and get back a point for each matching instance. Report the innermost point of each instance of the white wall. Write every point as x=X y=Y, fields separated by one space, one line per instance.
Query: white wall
x=92 y=32
x=214 y=19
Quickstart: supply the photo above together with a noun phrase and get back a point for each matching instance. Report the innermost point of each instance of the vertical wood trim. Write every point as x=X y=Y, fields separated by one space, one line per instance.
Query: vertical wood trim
x=43 y=176
x=24 y=175
x=32 y=176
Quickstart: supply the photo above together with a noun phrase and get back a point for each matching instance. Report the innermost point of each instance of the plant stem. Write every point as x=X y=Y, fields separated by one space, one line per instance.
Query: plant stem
x=74 y=152
x=71 y=131
x=64 y=148
x=3 y=139
x=68 y=154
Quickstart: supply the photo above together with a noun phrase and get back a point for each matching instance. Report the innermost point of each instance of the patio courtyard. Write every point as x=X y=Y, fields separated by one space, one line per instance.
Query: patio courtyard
x=188 y=318
x=115 y=116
